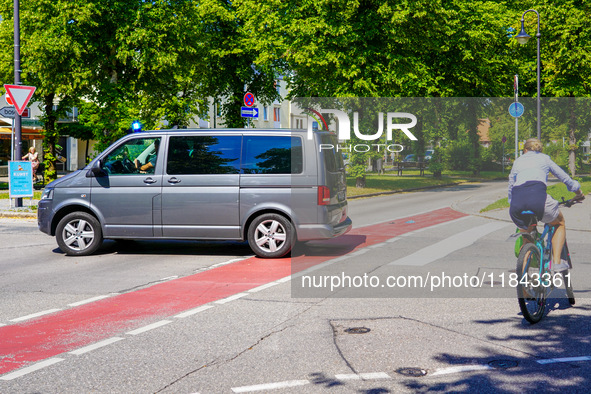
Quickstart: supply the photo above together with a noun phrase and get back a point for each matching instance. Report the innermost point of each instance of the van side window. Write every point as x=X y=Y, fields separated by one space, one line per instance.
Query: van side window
x=333 y=160
x=133 y=157
x=204 y=155
x=272 y=155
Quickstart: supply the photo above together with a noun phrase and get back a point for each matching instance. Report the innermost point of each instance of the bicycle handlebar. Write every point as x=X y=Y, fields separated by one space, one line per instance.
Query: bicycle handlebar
x=570 y=202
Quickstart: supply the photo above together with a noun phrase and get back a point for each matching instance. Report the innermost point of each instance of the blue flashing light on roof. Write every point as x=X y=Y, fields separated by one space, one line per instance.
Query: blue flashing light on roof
x=136 y=126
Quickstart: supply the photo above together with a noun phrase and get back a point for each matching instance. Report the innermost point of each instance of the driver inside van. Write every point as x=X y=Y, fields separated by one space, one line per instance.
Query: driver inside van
x=150 y=163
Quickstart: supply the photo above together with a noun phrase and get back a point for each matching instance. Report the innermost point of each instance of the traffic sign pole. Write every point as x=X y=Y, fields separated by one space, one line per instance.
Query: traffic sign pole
x=516 y=91
x=18 y=151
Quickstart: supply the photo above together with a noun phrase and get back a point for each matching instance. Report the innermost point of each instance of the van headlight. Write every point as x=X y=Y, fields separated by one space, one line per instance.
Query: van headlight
x=47 y=194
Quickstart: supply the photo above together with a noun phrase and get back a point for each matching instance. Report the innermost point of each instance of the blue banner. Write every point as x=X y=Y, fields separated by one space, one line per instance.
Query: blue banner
x=20 y=179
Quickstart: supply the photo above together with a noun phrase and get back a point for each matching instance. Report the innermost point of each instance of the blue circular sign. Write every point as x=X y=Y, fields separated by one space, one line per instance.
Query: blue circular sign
x=249 y=99
x=516 y=110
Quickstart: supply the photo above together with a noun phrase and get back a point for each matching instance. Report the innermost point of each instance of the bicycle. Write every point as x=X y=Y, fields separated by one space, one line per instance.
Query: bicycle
x=535 y=277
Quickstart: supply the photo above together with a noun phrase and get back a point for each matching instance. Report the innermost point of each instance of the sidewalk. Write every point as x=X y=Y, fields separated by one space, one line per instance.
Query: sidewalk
x=7 y=209
x=24 y=212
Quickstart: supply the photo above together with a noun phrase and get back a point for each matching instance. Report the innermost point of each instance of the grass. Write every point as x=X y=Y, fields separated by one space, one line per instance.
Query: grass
x=391 y=183
x=484 y=175
x=4 y=195
x=557 y=191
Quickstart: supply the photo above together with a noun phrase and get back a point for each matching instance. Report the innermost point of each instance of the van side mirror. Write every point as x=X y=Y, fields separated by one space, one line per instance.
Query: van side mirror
x=96 y=170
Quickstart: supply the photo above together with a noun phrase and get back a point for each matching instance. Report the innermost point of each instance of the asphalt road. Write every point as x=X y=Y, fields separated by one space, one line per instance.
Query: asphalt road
x=285 y=337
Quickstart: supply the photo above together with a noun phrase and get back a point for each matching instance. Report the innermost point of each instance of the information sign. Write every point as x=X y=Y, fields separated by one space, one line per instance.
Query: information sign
x=20 y=179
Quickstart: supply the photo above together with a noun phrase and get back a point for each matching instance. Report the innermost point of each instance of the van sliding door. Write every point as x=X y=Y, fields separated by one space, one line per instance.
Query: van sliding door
x=200 y=194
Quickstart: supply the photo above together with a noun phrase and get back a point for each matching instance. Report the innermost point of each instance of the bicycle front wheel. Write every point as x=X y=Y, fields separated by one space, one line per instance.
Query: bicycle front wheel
x=531 y=292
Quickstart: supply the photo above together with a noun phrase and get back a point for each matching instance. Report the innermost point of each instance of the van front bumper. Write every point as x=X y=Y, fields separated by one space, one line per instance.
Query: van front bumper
x=309 y=232
x=44 y=216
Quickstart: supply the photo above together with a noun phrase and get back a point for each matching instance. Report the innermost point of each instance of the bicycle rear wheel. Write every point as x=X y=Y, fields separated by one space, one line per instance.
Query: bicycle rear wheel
x=531 y=294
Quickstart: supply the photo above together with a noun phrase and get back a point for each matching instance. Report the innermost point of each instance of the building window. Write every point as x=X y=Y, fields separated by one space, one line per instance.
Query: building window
x=277 y=114
x=265 y=113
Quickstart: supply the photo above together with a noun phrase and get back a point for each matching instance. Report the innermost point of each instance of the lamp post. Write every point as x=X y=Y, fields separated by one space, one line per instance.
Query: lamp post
x=523 y=38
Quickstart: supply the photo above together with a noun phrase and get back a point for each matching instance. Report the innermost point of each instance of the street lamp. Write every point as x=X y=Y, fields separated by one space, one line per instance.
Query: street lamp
x=523 y=38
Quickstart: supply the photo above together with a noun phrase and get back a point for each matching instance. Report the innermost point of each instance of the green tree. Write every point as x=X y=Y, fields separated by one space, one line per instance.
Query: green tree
x=49 y=59
x=231 y=58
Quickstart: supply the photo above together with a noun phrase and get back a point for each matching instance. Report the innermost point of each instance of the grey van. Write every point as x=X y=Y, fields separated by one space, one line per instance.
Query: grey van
x=270 y=187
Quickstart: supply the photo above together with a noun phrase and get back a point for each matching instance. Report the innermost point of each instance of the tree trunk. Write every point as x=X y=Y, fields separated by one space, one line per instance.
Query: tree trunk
x=51 y=136
x=360 y=182
x=572 y=140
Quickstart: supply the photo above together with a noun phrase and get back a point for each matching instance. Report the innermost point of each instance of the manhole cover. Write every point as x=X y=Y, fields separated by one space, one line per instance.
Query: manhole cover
x=412 y=371
x=503 y=364
x=357 y=330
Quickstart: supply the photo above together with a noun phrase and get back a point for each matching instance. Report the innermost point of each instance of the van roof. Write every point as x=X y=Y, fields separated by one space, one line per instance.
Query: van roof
x=235 y=130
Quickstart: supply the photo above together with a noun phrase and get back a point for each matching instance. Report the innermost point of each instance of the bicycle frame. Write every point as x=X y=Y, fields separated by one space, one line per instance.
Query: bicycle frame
x=544 y=244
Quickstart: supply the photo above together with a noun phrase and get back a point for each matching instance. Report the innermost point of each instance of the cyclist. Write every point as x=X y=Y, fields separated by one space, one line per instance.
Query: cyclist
x=527 y=192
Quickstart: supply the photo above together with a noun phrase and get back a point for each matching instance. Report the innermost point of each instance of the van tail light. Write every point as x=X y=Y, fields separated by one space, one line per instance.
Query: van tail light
x=323 y=195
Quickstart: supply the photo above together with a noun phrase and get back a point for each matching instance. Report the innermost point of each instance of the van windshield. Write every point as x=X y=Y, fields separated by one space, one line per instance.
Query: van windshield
x=333 y=160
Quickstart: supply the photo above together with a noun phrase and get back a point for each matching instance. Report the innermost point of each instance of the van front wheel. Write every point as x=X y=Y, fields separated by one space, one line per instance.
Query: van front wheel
x=270 y=236
x=79 y=234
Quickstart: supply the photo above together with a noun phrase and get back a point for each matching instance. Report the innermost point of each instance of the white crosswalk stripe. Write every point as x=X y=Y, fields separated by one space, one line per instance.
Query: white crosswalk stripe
x=449 y=245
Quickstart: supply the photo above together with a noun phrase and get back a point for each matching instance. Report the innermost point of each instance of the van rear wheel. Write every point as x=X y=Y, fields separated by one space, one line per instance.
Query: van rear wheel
x=79 y=234
x=270 y=236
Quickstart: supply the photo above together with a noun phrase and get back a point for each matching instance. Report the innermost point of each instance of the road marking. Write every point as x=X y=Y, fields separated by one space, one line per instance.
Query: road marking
x=33 y=315
x=32 y=368
x=363 y=376
x=44 y=338
x=95 y=346
x=194 y=311
x=270 y=386
x=358 y=252
x=564 y=360
x=404 y=217
x=89 y=300
x=231 y=298
x=263 y=287
x=464 y=368
x=436 y=226
x=209 y=267
x=149 y=327
x=449 y=245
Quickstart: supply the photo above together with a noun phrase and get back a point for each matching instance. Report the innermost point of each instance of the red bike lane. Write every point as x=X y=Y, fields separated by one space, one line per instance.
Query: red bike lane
x=28 y=342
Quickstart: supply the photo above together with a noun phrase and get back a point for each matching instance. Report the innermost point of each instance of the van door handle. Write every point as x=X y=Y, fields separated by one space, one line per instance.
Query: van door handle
x=174 y=180
x=150 y=180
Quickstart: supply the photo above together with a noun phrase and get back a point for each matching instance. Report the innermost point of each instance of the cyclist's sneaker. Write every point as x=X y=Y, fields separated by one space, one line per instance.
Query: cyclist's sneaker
x=563 y=266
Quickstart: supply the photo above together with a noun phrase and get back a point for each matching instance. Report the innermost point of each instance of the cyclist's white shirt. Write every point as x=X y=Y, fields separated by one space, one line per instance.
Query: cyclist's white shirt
x=535 y=166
